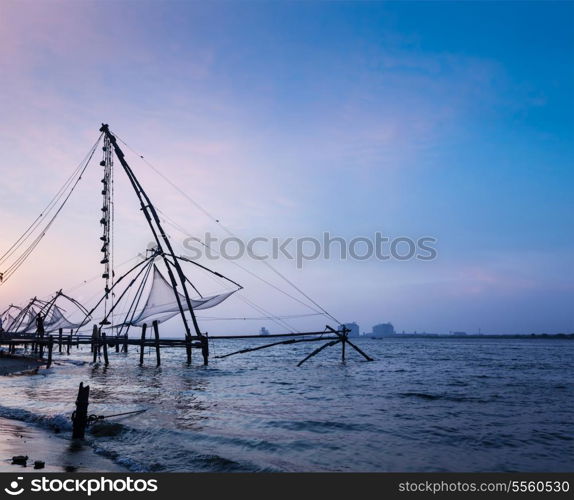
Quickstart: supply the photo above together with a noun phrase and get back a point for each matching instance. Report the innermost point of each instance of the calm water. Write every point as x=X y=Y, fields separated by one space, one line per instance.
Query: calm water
x=423 y=405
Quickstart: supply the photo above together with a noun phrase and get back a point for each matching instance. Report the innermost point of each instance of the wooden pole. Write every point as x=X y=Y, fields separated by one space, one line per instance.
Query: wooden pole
x=205 y=349
x=125 y=343
x=69 y=344
x=50 y=347
x=188 y=348
x=343 y=344
x=80 y=416
x=40 y=334
x=368 y=358
x=157 y=349
x=94 y=343
x=105 y=345
x=142 y=344
x=318 y=350
x=60 y=333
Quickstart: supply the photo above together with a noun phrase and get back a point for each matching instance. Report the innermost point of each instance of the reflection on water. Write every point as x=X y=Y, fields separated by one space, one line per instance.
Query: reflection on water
x=423 y=405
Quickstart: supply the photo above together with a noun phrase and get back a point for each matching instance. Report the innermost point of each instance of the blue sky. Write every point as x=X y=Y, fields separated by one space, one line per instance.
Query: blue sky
x=452 y=120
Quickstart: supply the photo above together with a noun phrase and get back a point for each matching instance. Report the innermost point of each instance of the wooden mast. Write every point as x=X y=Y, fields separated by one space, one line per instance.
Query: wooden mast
x=152 y=218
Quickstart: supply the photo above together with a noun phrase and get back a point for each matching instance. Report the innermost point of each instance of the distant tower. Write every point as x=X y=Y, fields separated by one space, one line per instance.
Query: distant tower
x=383 y=330
x=353 y=327
x=263 y=331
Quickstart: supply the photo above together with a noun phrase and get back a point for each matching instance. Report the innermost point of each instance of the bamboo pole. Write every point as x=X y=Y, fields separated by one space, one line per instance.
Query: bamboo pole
x=317 y=351
x=105 y=346
x=142 y=344
x=188 y=348
x=157 y=348
x=50 y=348
x=368 y=358
x=282 y=342
x=205 y=349
x=94 y=343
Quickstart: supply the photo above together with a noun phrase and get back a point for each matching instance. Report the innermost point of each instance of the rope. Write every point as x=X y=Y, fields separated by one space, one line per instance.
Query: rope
x=22 y=258
x=276 y=319
x=248 y=271
x=227 y=230
x=44 y=213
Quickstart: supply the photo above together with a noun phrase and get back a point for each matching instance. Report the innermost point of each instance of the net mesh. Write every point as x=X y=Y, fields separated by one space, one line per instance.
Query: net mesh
x=25 y=321
x=162 y=305
x=57 y=320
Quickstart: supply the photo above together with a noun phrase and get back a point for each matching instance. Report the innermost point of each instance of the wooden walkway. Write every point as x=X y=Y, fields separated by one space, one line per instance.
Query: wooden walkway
x=43 y=346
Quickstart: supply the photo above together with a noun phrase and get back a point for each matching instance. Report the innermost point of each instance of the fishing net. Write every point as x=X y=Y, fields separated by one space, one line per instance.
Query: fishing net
x=26 y=319
x=162 y=305
x=57 y=320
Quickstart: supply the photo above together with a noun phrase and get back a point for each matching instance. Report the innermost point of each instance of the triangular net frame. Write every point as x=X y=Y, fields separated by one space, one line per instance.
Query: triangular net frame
x=161 y=303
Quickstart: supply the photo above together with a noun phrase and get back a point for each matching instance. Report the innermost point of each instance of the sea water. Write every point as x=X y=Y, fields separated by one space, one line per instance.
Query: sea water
x=422 y=405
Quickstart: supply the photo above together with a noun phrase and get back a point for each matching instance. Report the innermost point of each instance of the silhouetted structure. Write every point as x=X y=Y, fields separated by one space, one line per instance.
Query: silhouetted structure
x=353 y=329
x=383 y=330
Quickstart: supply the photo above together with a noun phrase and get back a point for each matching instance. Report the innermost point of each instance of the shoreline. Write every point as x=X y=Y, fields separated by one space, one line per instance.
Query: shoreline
x=13 y=364
x=57 y=451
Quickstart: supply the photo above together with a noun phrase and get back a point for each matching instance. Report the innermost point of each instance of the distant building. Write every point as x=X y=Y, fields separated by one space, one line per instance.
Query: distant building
x=383 y=330
x=263 y=331
x=353 y=327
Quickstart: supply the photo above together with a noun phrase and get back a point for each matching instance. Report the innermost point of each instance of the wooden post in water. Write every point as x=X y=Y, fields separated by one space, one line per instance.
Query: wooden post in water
x=80 y=416
x=50 y=348
x=125 y=349
x=156 y=334
x=105 y=346
x=343 y=345
x=69 y=344
x=60 y=333
x=205 y=349
x=117 y=344
x=188 y=348
x=142 y=344
x=94 y=343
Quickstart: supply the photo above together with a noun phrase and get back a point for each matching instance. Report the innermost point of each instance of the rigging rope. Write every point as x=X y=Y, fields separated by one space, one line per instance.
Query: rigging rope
x=276 y=319
x=43 y=214
x=4 y=276
x=172 y=223
x=227 y=230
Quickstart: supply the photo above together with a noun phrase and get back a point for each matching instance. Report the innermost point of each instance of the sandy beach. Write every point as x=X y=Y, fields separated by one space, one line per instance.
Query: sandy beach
x=57 y=451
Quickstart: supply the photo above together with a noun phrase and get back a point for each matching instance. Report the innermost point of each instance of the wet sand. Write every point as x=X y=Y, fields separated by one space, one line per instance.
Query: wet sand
x=58 y=453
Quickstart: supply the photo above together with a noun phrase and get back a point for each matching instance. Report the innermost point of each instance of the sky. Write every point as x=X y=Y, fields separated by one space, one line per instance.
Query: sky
x=450 y=120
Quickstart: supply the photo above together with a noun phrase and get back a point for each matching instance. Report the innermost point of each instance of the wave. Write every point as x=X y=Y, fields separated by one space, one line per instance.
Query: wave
x=445 y=397
x=56 y=423
x=146 y=450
